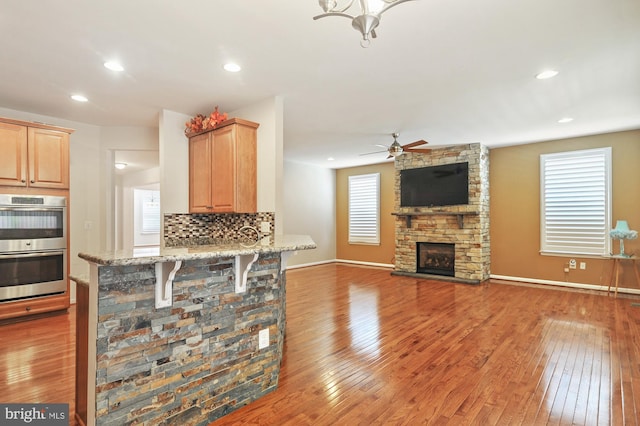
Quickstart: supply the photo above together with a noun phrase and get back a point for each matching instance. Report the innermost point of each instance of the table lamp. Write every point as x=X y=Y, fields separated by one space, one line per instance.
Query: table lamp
x=622 y=232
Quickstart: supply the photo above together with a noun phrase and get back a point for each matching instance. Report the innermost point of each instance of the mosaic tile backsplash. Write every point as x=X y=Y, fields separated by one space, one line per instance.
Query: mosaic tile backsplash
x=182 y=229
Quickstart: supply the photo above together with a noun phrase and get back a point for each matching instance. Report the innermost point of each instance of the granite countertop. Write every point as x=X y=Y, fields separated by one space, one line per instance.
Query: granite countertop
x=277 y=244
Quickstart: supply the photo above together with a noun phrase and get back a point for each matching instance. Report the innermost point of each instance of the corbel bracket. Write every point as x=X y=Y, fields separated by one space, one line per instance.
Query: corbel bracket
x=165 y=273
x=242 y=266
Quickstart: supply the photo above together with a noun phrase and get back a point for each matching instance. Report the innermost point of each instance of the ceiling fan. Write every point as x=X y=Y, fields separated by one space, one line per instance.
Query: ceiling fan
x=395 y=149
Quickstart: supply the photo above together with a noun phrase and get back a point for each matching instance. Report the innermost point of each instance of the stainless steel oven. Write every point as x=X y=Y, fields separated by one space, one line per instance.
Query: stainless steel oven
x=33 y=246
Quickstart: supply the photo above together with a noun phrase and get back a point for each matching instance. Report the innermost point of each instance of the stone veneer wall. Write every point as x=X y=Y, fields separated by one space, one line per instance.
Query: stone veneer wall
x=201 y=229
x=472 y=243
x=195 y=361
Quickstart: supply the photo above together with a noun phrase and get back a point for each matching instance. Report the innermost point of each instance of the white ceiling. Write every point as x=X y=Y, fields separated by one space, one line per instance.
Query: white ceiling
x=448 y=71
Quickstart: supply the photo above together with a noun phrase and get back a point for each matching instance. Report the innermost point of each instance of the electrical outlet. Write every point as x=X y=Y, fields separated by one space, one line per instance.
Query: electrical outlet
x=265 y=227
x=572 y=264
x=566 y=270
x=263 y=338
x=583 y=265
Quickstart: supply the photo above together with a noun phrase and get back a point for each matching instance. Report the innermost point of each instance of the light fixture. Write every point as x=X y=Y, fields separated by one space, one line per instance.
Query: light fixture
x=120 y=166
x=395 y=149
x=113 y=66
x=622 y=232
x=565 y=120
x=231 y=67
x=79 y=98
x=366 y=21
x=546 y=74
x=330 y=159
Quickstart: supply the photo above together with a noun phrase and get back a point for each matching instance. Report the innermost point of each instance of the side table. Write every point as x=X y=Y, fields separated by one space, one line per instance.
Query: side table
x=615 y=271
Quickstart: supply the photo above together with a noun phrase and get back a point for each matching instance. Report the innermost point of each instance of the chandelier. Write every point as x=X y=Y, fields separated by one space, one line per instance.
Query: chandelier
x=368 y=19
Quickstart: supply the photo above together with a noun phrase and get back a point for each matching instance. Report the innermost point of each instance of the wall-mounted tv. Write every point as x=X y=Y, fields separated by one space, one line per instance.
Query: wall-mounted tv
x=444 y=185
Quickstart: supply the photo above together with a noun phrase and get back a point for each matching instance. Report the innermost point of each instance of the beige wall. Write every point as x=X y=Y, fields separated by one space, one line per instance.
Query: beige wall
x=380 y=254
x=515 y=208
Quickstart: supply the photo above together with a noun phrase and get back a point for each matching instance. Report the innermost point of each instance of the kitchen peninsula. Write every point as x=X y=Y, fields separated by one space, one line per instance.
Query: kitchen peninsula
x=182 y=337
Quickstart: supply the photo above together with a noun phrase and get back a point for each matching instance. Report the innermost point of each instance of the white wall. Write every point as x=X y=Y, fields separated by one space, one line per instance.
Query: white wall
x=112 y=139
x=310 y=209
x=145 y=179
x=174 y=162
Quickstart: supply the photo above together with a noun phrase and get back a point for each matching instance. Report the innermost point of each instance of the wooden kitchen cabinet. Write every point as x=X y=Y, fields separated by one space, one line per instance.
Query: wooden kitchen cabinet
x=33 y=155
x=223 y=169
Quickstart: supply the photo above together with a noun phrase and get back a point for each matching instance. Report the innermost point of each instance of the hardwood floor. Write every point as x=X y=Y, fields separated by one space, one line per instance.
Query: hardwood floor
x=38 y=361
x=364 y=347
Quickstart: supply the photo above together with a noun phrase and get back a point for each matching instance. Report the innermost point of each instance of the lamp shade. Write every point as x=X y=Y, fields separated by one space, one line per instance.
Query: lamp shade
x=622 y=226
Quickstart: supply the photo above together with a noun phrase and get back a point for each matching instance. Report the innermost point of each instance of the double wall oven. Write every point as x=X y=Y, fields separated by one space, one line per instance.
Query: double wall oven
x=33 y=246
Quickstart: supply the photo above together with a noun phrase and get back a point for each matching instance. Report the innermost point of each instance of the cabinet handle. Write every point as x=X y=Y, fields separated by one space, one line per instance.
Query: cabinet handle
x=24 y=181
x=28 y=308
x=33 y=181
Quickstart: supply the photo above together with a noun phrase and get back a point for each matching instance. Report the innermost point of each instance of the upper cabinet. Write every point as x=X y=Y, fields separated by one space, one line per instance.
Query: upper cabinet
x=223 y=168
x=33 y=155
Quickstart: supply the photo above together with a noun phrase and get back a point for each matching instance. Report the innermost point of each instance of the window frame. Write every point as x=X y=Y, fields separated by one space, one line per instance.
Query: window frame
x=595 y=228
x=364 y=225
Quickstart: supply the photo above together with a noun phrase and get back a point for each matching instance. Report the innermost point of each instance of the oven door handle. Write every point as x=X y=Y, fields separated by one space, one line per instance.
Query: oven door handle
x=32 y=254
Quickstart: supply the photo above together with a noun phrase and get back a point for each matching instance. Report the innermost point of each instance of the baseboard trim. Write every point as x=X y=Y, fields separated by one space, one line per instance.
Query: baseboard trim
x=306 y=265
x=352 y=262
x=565 y=284
x=359 y=262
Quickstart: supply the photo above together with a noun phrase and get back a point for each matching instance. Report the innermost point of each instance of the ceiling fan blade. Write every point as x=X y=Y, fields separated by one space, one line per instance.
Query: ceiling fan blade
x=420 y=150
x=376 y=152
x=416 y=143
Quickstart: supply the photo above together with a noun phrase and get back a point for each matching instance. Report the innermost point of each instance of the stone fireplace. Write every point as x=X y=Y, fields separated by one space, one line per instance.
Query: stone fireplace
x=463 y=229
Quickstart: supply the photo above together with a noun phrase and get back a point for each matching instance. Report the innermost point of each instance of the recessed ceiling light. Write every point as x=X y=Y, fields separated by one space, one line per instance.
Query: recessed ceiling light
x=79 y=98
x=330 y=159
x=546 y=74
x=120 y=166
x=231 y=67
x=113 y=66
x=565 y=120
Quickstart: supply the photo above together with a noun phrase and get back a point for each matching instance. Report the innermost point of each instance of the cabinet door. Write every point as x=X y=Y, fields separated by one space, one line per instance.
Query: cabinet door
x=13 y=155
x=200 y=174
x=48 y=158
x=224 y=170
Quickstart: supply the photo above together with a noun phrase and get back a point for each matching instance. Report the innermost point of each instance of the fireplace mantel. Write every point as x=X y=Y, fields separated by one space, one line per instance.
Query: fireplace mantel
x=459 y=215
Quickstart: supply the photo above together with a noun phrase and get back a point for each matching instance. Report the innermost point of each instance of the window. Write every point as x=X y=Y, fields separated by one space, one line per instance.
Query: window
x=575 y=202
x=364 y=209
x=150 y=212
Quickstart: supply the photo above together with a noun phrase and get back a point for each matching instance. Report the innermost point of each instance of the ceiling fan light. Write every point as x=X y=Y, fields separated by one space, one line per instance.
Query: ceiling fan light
x=395 y=149
x=327 y=5
x=365 y=24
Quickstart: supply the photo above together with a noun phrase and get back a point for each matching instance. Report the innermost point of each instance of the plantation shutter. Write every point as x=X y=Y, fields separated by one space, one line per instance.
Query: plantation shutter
x=151 y=212
x=576 y=208
x=364 y=209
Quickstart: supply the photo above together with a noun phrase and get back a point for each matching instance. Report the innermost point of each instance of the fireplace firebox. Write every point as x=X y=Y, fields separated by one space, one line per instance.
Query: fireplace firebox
x=436 y=258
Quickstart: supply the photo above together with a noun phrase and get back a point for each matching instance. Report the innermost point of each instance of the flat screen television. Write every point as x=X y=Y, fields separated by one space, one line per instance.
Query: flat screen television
x=444 y=185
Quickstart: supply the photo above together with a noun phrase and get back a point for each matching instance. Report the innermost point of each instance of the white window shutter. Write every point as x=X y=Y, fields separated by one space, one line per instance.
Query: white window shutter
x=575 y=202
x=150 y=212
x=364 y=209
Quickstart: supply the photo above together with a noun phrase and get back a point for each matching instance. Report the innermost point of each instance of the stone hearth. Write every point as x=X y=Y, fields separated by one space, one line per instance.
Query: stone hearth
x=465 y=226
